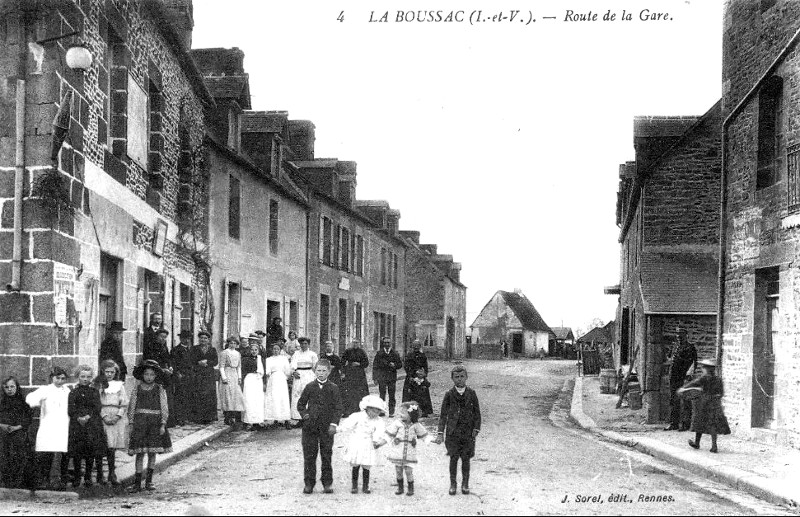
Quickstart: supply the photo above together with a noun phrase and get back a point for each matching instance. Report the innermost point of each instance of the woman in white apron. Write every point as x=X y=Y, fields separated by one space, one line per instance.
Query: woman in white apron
x=253 y=371
x=276 y=400
x=303 y=362
x=53 y=434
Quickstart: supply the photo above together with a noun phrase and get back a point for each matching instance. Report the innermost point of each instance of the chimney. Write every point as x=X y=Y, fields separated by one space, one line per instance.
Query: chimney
x=180 y=15
x=393 y=221
x=219 y=61
x=411 y=235
x=375 y=210
x=301 y=139
x=518 y=292
x=347 y=182
x=455 y=271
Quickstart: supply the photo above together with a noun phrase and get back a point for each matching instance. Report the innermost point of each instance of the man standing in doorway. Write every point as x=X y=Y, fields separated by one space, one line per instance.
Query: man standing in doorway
x=111 y=348
x=384 y=371
x=149 y=337
x=685 y=356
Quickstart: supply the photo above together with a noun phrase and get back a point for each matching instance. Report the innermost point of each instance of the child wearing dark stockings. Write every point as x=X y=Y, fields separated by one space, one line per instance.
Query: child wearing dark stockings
x=405 y=432
x=459 y=424
x=87 y=439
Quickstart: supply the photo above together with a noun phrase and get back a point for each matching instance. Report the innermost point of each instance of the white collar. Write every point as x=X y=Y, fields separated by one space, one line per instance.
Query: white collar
x=461 y=390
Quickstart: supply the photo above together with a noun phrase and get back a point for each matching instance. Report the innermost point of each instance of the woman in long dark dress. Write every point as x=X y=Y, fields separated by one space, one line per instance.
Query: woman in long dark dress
x=707 y=414
x=204 y=358
x=354 y=377
x=17 y=466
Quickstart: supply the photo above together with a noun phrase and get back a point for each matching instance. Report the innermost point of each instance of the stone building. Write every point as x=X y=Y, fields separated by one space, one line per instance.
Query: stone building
x=101 y=235
x=564 y=343
x=511 y=319
x=761 y=231
x=435 y=300
x=356 y=258
x=258 y=216
x=668 y=212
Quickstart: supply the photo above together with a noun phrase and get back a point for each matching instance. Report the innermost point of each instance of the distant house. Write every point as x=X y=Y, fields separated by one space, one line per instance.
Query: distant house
x=511 y=318
x=564 y=342
x=599 y=335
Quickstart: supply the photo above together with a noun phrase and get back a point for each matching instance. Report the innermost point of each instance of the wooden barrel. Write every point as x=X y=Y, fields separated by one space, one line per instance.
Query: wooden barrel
x=634 y=395
x=608 y=380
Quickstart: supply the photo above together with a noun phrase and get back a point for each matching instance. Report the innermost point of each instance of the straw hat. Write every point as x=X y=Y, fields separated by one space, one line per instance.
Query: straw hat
x=373 y=401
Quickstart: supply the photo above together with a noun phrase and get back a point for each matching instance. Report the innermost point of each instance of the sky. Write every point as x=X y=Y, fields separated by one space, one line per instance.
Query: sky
x=499 y=141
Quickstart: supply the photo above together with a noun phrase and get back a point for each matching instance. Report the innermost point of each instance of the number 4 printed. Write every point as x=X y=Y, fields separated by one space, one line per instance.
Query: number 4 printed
x=341 y=17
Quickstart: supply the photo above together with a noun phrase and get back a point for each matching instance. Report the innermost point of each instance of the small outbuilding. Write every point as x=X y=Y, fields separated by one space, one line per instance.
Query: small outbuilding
x=511 y=320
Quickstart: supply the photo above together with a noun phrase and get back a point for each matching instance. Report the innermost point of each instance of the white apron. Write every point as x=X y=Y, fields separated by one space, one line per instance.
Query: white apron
x=276 y=400
x=53 y=435
x=254 y=396
x=302 y=363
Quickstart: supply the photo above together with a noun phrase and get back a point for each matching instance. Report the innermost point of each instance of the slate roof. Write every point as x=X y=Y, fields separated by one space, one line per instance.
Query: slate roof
x=235 y=87
x=662 y=126
x=598 y=335
x=563 y=332
x=525 y=311
x=680 y=283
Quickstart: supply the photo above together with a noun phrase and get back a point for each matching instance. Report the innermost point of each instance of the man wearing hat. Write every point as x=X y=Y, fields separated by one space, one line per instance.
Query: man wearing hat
x=685 y=356
x=384 y=371
x=150 y=334
x=182 y=377
x=111 y=348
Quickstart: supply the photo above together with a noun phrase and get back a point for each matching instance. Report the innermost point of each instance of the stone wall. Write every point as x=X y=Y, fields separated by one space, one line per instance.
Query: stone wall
x=108 y=202
x=762 y=232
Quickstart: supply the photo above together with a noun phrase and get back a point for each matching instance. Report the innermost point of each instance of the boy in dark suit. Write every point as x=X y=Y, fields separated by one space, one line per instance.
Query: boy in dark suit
x=320 y=405
x=460 y=423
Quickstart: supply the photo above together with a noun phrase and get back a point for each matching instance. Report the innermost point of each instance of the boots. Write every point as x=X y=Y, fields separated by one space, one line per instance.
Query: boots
x=400 y=488
x=410 y=490
x=148 y=485
x=137 y=484
x=365 y=484
x=112 y=464
x=99 y=465
x=354 y=490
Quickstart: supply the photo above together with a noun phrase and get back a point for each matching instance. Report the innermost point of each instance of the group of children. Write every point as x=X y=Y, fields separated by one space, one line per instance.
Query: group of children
x=321 y=405
x=97 y=418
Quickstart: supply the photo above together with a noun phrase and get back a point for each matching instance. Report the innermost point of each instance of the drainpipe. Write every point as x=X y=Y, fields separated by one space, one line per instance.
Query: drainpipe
x=19 y=173
x=723 y=227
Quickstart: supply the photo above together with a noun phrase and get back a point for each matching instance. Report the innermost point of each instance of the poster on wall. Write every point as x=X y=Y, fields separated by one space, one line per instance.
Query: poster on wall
x=63 y=290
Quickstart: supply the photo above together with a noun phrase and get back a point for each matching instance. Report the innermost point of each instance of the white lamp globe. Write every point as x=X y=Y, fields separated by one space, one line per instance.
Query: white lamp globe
x=79 y=58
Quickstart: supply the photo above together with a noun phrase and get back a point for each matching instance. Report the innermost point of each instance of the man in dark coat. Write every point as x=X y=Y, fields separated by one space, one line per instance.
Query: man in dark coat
x=685 y=356
x=204 y=358
x=275 y=331
x=384 y=372
x=111 y=348
x=415 y=360
x=354 y=378
x=320 y=406
x=150 y=333
x=182 y=377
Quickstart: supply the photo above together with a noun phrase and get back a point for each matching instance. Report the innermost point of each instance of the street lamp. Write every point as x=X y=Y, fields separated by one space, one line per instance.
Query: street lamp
x=79 y=58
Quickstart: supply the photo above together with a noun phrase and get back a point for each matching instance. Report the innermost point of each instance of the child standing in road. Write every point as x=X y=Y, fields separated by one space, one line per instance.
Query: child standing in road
x=405 y=432
x=419 y=390
x=367 y=437
x=459 y=424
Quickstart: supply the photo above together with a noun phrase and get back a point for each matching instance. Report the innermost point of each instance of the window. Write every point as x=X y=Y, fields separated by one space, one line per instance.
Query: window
x=234 y=134
x=345 y=246
x=376 y=330
x=156 y=144
x=234 y=309
x=325 y=242
x=109 y=268
x=383 y=266
x=394 y=268
x=234 y=208
x=324 y=318
x=273 y=226
x=187 y=308
x=770 y=110
x=359 y=317
x=359 y=256
x=793 y=177
x=337 y=241
x=276 y=157
x=115 y=105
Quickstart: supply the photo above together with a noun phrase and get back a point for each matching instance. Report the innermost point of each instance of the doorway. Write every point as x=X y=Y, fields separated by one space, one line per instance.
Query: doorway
x=342 y=325
x=517 y=344
x=765 y=333
x=450 y=337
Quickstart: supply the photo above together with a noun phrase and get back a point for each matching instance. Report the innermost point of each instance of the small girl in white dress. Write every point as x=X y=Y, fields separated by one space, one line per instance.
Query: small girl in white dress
x=404 y=433
x=368 y=434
